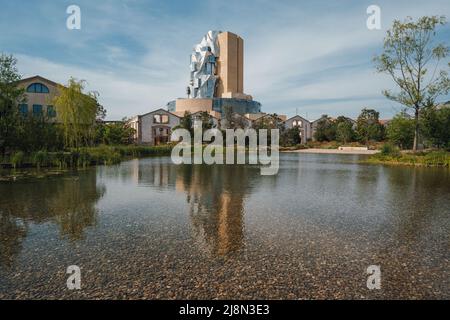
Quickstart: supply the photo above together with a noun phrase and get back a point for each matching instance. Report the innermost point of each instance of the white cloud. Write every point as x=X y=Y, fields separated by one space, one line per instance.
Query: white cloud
x=296 y=53
x=286 y=63
x=121 y=95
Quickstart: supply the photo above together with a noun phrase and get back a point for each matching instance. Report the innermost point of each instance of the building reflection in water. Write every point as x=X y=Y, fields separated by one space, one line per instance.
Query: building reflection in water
x=215 y=196
x=67 y=201
x=157 y=173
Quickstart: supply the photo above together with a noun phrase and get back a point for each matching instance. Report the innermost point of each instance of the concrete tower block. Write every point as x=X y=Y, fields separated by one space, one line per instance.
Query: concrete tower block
x=230 y=66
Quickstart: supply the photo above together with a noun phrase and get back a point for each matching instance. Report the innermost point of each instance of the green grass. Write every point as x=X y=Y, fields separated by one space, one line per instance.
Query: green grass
x=428 y=159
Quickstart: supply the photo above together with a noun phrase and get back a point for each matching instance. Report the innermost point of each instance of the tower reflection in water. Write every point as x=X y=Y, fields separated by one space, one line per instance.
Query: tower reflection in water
x=215 y=196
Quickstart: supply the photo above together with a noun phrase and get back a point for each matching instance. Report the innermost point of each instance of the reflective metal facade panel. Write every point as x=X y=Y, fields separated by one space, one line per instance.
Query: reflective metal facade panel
x=203 y=67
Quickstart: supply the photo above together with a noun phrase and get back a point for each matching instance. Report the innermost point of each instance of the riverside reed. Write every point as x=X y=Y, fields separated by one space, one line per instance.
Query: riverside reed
x=83 y=157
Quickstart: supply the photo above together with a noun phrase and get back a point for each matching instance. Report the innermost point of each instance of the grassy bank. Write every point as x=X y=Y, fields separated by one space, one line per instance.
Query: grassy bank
x=82 y=157
x=428 y=159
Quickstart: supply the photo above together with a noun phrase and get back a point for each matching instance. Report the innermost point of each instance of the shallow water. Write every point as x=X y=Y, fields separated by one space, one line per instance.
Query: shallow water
x=149 y=229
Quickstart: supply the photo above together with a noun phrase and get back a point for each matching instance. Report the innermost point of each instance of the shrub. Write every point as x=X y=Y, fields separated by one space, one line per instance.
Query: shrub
x=17 y=159
x=390 y=150
x=84 y=159
x=301 y=147
x=97 y=155
x=62 y=159
x=40 y=158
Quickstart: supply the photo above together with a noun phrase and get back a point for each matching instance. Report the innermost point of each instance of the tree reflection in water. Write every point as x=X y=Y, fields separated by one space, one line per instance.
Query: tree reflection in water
x=68 y=201
x=12 y=233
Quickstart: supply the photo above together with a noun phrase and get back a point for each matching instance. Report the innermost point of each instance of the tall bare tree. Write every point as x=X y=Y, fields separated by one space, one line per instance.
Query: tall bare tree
x=409 y=53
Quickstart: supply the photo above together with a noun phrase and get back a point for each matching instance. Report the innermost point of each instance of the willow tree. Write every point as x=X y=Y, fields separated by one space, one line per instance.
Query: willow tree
x=77 y=112
x=409 y=53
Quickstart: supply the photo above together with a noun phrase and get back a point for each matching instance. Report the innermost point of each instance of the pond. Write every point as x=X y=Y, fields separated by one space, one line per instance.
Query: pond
x=149 y=229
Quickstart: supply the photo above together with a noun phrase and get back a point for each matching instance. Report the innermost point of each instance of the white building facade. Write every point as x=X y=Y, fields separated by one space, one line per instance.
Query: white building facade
x=155 y=127
x=303 y=125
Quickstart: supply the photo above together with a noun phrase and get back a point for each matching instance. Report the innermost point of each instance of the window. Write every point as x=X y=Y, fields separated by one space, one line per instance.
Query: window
x=37 y=88
x=297 y=123
x=161 y=118
x=37 y=110
x=51 y=112
x=23 y=109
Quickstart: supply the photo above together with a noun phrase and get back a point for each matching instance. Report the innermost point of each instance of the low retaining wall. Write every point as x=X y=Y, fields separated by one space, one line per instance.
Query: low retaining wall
x=353 y=148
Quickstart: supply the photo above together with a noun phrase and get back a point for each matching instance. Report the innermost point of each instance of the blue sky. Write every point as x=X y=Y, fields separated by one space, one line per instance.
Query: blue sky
x=310 y=57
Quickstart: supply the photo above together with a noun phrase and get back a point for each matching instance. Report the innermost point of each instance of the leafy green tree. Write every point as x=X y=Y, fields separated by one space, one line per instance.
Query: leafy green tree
x=99 y=135
x=344 y=131
x=325 y=129
x=186 y=122
x=10 y=96
x=409 y=51
x=117 y=133
x=113 y=134
x=290 y=137
x=400 y=130
x=37 y=133
x=78 y=113
x=436 y=125
x=368 y=126
x=269 y=122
